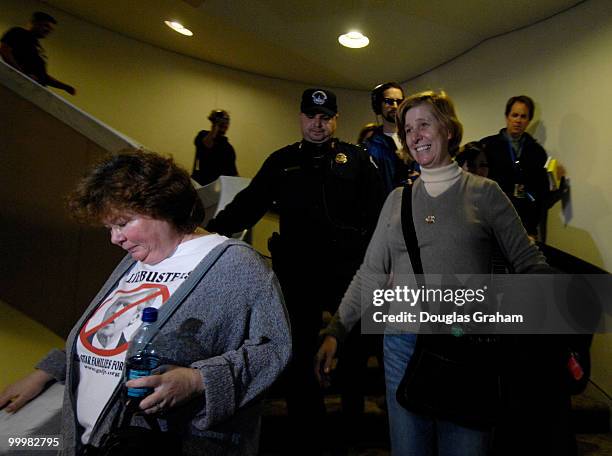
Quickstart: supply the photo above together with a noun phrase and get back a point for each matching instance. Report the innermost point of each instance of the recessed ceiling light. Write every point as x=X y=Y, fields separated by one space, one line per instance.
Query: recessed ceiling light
x=178 y=27
x=354 y=40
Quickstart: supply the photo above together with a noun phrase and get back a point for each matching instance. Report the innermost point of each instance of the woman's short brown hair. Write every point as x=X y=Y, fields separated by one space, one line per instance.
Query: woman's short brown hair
x=141 y=182
x=443 y=110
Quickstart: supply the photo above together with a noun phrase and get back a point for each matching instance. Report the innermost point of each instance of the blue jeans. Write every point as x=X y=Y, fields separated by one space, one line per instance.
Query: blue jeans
x=416 y=435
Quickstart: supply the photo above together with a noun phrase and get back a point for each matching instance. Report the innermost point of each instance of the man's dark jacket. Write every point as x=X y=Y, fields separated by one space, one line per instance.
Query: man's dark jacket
x=529 y=171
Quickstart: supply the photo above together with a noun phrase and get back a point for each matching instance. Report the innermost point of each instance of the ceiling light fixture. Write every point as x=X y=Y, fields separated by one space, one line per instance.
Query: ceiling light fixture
x=178 y=27
x=354 y=40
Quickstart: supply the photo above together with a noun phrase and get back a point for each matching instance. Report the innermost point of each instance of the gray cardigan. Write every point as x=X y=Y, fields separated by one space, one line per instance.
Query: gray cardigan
x=233 y=327
x=470 y=214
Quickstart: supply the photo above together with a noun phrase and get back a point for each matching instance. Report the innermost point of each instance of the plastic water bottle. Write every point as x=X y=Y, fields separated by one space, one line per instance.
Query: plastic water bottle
x=142 y=357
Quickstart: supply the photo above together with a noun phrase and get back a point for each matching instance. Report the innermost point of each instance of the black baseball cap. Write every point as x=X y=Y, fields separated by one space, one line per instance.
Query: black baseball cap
x=319 y=101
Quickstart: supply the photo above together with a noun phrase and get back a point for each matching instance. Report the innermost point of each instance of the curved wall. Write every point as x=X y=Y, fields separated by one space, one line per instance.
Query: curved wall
x=564 y=64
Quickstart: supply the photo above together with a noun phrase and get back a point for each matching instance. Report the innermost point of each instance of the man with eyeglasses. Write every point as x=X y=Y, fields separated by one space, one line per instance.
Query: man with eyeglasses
x=328 y=195
x=395 y=166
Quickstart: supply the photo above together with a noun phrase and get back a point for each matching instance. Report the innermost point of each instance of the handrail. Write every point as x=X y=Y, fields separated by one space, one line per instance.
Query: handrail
x=94 y=129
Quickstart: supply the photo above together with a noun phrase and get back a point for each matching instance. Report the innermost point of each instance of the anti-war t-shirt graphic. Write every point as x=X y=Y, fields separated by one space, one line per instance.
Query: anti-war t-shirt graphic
x=112 y=325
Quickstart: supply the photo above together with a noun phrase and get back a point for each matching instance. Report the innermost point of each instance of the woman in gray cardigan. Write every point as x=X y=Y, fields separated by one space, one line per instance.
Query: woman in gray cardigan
x=228 y=340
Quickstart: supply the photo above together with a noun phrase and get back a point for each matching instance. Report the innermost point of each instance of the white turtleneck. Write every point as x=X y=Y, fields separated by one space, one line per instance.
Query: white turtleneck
x=438 y=180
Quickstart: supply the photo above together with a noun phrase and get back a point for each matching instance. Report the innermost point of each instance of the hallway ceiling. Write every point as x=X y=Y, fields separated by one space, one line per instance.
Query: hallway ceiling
x=298 y=40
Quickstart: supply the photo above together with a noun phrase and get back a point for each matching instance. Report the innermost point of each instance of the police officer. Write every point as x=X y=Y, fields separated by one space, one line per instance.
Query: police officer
x=328 y=195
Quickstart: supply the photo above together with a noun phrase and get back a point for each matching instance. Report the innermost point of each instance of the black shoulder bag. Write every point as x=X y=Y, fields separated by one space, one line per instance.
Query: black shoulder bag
x=449 y=378
x=123 y=439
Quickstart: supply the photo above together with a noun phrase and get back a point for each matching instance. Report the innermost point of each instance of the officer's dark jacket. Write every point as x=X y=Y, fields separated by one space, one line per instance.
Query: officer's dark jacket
x=328 y=197
x=530 y=171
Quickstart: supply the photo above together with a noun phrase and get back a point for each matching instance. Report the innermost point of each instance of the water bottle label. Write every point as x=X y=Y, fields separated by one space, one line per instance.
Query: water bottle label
x=138 y=392
x=142 y=368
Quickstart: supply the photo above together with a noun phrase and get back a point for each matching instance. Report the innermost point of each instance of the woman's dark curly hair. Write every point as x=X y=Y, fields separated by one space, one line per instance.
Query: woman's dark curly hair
x=140 y=182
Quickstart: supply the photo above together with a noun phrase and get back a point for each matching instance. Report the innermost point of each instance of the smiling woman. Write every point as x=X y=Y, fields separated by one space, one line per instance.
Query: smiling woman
x=428 y=126
x=457 y=219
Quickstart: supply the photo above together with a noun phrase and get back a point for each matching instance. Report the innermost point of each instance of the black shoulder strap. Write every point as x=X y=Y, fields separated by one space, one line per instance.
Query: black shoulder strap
x=177 y=298
x=410 y=238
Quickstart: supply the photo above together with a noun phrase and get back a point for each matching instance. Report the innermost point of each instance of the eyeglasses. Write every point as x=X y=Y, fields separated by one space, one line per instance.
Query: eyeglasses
x=392 y=101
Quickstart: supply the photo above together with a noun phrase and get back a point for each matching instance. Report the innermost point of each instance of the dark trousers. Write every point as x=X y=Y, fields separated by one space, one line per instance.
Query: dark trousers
x=307 y=294
x=535 y=417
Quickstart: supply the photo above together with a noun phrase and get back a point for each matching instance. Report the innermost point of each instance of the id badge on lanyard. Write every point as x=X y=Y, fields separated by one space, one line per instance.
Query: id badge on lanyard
x=519 y=188
x=519 y=191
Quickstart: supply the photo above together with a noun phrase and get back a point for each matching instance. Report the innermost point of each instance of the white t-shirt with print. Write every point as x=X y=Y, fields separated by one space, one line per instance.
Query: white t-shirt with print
x=103 y=340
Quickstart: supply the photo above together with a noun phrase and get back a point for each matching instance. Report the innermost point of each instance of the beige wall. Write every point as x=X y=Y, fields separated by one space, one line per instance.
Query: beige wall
x=565 y=64
x=161 y=99
x=45 y=257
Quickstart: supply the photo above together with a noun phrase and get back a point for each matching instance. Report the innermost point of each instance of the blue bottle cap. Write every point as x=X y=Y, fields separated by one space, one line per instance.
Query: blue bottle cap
x=149 y=314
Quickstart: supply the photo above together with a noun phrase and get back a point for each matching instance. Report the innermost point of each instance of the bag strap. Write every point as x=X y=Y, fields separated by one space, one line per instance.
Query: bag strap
x=412 y=245
x=410 y=237
x=177 y=298
x=123 y=418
